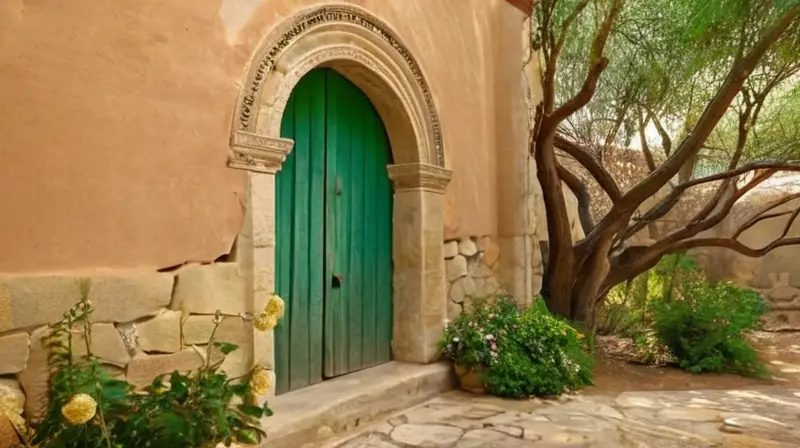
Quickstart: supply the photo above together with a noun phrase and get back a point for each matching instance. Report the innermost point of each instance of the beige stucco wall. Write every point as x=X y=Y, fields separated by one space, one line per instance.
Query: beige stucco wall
x=116 y=118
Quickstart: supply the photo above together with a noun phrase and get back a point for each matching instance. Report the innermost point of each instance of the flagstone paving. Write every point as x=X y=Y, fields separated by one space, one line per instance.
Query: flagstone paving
x=745 y=418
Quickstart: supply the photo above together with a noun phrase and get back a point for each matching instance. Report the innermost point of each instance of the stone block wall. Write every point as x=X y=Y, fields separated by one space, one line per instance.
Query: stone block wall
x=472 y=266
x=136 y=330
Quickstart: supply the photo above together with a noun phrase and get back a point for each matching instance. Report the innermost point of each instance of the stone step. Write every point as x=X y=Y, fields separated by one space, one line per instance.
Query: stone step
x=317 y=413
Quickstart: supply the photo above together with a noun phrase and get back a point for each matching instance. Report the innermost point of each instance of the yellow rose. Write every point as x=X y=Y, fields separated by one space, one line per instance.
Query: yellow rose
x=259 y=381
x=80 y=409
x=265 y=322
x=275 y=306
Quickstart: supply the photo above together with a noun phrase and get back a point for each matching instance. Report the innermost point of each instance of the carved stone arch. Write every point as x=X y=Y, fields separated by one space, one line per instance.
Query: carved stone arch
x=364 y=49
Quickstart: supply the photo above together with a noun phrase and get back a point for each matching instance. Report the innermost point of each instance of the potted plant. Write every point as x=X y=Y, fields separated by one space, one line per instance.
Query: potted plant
x=506 y=349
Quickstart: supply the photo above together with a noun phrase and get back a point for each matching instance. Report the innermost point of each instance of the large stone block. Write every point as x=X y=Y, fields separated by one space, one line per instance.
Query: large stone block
x=143 y=368
x=784 y=293
x=788 y=320
x=161 y=333
x=34 y=379
x=126 y=298
x=14 y=350
x=197 y=330
x=462 y=289
x=467 y=247
x=30 y=301
x=450 y=249
x=456 y=268
x=106 y=344
x=208 y=288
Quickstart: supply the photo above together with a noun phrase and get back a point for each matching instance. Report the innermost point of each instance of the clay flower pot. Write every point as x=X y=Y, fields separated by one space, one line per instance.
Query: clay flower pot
x=469 y=379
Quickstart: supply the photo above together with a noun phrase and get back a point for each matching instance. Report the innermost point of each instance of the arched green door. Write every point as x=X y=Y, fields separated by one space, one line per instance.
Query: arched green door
x=333 y=256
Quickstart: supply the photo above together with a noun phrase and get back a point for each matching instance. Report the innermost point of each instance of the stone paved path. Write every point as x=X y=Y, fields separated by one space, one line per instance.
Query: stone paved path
x=766 y=417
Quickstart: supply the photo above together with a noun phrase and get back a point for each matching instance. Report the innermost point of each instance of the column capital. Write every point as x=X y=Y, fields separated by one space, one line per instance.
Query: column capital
x=258 y=153
x=412 y=176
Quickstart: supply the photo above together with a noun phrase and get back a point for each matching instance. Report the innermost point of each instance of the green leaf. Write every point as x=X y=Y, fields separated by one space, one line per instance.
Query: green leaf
x=251 y=410
x=225 y=347
x=248 y=436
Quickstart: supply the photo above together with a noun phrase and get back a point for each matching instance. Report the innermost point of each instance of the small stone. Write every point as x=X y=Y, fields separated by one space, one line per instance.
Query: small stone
x=161 y=333
x=491 y=255
x=14 y=351
x=490 y=438
x=398 y=420
x=513 y=431
x=450 y=249
x=483 y=243
x=8 y=435
x=784 y=293
x=143 y=367
x=208 y=288
x=427 y=435
x=325 y=433
x=11 y=395
x=456 y=268
x=689 y=414
x=467 y=248
x=480 y=413
x=462 y=289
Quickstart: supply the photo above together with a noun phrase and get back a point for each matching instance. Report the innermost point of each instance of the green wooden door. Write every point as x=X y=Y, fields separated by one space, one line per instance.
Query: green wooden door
x=333 y=235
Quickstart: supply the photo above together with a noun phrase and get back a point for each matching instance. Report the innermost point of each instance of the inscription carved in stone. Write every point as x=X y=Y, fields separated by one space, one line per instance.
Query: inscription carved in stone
x=325 y=15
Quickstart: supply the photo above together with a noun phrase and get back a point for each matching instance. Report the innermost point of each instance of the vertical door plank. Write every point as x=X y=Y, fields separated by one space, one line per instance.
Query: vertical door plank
x=284 y=205
x=355 y=294
x=372 y=196
x=316 y=260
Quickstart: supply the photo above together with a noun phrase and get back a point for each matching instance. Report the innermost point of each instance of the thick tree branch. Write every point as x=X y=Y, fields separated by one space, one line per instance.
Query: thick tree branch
x=713 y=112
x=581 y=193
x=597 y=63
x=592 y=165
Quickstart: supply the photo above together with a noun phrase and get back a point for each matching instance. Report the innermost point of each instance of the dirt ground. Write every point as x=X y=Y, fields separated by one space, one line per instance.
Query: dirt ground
x=779 y=351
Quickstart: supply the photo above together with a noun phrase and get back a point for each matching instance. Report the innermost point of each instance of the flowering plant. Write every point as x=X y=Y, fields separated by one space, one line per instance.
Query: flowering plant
x=88 y=407
x=519 y=351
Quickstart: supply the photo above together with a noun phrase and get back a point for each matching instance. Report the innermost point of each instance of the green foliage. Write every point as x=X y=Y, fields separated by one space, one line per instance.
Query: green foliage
x=520 y=351
x=177 y=410
x=626 y=310
x=704 y=327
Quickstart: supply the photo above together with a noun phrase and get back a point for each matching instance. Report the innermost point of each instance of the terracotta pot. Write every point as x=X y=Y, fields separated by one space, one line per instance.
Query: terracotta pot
x=469 y=379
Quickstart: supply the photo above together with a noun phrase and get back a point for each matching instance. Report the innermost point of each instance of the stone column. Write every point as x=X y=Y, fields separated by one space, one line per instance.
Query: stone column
x=420 y=288
x=262 y=157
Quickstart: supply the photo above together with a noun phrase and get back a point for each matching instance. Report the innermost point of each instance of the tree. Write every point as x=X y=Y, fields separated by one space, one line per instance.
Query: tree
x=703 y=75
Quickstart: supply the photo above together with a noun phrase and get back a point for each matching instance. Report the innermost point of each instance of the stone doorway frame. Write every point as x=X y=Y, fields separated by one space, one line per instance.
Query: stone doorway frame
x=366 y=51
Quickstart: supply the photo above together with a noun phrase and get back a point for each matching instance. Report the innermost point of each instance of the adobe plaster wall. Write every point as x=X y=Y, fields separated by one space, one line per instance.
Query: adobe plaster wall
x=116 y=120
x=776 y=276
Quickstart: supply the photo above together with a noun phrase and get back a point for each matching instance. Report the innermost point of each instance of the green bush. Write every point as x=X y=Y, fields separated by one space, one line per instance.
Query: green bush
x=519 y=351
x=88 y=408
x=704 y=326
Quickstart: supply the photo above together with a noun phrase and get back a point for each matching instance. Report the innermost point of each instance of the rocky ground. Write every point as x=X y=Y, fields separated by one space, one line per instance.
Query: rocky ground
x=629 y=406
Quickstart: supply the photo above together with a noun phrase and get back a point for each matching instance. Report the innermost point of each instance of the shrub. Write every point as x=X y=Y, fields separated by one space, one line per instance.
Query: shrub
x=703 y=325
x=200 y=408
x=518 y=351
